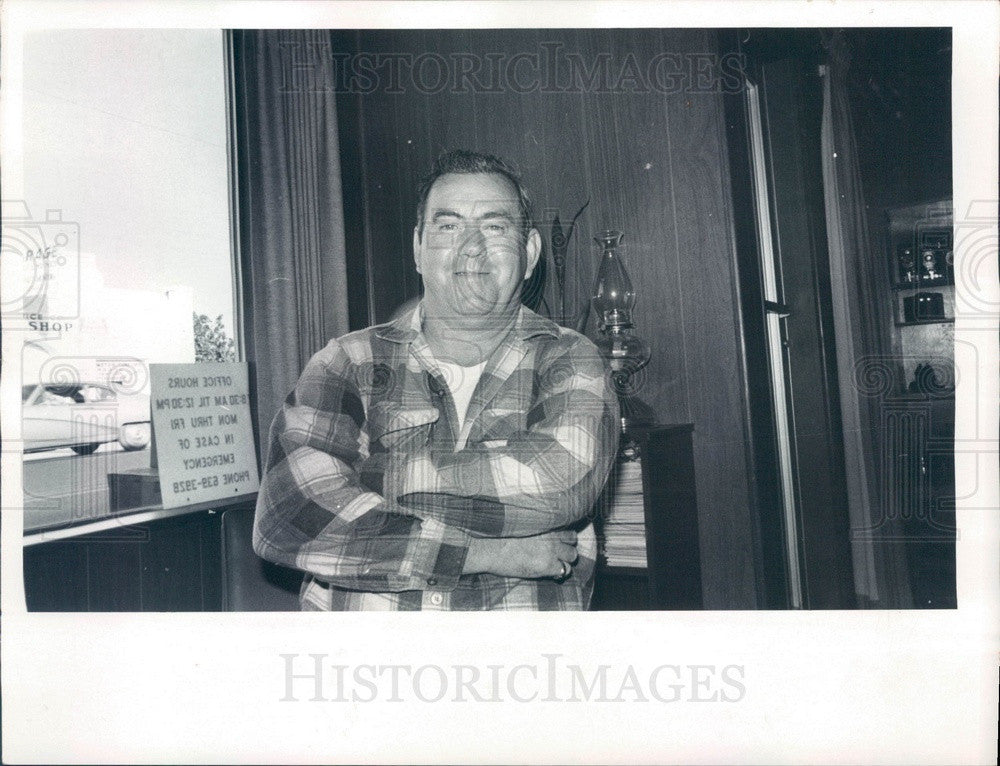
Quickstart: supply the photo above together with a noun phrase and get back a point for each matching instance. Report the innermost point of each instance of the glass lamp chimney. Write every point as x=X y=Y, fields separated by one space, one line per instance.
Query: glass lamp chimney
x=613 y=302
x=614 y=296
x=625 y=354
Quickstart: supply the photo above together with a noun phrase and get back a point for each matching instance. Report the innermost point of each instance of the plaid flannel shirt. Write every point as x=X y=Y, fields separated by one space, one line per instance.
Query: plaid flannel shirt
x=374 y=491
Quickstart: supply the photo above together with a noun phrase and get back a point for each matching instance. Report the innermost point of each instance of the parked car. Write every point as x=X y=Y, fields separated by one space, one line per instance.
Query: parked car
x=82 y=416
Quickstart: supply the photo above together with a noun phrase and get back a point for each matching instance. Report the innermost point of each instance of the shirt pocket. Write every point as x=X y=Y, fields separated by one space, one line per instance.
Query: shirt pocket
x=394 y=426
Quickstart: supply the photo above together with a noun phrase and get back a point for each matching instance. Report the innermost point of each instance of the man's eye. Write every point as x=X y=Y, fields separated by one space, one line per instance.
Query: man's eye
x=447 y=226
x=496 y=228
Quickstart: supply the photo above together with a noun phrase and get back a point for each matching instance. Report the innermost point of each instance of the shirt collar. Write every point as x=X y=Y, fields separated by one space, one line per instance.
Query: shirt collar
x=406 y=328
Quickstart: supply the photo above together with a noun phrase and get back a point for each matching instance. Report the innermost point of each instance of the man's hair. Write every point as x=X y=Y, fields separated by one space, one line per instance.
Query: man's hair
x=462 y=161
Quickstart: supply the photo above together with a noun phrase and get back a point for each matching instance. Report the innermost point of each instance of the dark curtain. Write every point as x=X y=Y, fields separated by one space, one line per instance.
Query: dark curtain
x=862 y=321
x=289 y=209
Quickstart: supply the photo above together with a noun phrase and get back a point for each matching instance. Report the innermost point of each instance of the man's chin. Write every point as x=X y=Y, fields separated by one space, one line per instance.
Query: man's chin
x=470 y=309
x=473 y=305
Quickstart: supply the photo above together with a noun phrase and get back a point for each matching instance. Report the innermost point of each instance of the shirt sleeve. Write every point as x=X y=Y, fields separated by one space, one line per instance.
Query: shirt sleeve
x=545 y=477
x=313 y=512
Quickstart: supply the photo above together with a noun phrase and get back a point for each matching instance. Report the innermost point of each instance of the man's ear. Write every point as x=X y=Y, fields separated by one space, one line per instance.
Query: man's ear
x=416 y=249
x=533 y=248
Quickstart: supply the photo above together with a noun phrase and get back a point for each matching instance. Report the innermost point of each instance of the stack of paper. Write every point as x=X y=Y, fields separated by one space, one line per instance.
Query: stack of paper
x=621 y=526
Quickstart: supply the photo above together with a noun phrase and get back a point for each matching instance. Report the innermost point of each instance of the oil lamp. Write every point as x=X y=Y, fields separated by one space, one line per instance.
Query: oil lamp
x=613 y=302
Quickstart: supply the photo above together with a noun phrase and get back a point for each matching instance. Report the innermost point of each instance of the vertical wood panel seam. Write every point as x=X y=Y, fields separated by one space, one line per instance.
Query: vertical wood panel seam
x=587 y=173
x=677 y=252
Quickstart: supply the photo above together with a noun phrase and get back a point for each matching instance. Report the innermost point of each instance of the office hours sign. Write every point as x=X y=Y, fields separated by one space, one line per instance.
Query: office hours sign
x=204 y=443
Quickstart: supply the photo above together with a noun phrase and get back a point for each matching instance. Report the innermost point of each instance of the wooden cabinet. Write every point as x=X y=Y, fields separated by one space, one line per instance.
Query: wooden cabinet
x=672 y=576
x=167 y=565
x=918 y=419
x=920 y=492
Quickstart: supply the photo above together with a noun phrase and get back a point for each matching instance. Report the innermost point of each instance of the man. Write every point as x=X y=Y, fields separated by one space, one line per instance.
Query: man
x=448 y=459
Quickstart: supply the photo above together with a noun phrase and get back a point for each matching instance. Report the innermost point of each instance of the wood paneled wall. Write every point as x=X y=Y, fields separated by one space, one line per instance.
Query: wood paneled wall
x=653 y=164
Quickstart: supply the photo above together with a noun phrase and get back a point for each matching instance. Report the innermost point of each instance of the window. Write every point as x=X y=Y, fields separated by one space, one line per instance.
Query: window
x=124 y=227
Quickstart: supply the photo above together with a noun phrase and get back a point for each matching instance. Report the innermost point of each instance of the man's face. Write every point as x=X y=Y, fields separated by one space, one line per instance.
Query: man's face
x=472 y=256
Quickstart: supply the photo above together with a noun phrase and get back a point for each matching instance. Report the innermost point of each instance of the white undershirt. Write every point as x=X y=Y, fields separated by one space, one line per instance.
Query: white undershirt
x=462 y=382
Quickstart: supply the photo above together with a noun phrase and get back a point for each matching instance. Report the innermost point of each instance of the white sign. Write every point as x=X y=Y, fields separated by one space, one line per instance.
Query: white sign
x=202 y=432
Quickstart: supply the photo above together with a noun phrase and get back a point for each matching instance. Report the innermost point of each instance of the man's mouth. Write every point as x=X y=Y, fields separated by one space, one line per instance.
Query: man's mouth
x=471 y=273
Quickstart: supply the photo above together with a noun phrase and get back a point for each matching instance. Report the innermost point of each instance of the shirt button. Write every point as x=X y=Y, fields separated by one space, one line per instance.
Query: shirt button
x=436 y=599
x=432 y=581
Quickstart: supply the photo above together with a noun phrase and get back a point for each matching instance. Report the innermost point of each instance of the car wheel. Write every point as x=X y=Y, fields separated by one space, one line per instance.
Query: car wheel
x=84 y=449
x=133 y=436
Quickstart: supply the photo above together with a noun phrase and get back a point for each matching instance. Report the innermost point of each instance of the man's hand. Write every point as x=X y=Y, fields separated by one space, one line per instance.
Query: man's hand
x=526 y=557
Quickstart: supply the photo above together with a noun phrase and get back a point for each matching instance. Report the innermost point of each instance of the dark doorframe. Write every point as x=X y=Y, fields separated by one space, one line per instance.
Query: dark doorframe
x=765 y=489
x=805 y=505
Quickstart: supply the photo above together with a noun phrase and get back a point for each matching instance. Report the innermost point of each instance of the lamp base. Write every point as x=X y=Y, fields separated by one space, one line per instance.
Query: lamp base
x=635 y=412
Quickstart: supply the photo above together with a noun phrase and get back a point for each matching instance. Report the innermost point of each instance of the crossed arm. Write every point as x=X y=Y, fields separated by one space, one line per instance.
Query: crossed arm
x=439 y=514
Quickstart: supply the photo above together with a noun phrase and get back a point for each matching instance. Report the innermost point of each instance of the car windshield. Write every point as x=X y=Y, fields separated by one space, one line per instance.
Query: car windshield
x=61 y=395
x=98 y=394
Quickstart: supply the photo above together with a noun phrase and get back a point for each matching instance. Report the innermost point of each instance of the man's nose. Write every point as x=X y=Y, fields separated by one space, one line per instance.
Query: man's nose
x=474 y=243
